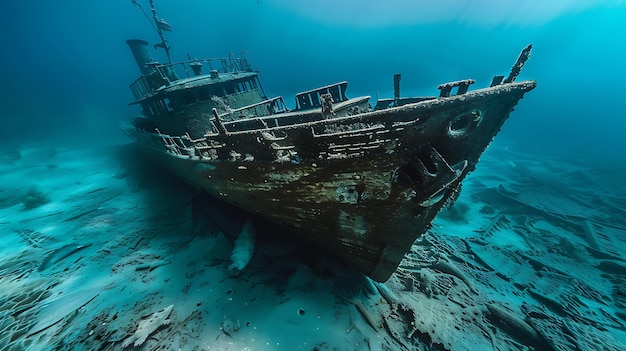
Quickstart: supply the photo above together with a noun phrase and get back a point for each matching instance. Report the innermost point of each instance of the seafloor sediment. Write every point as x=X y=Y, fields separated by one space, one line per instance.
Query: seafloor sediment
x=100 y=251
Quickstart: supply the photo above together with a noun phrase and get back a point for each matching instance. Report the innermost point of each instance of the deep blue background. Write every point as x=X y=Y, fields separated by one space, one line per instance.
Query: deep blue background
x=66 y=69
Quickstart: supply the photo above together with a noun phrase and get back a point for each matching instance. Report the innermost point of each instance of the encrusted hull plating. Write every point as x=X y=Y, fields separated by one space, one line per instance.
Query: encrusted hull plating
x=363 y=185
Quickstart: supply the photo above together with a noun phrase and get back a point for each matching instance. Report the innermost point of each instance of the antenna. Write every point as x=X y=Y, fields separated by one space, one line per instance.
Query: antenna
x=160 y=25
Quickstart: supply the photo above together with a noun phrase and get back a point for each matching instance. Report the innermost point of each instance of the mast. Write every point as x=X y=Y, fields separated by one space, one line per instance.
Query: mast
x=160 y=25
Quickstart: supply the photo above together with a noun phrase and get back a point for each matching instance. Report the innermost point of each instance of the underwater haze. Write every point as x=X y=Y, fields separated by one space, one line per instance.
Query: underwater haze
x=101 y=250
x=67 y=68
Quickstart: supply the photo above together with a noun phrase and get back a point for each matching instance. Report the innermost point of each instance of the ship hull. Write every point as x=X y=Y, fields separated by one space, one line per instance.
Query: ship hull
x=364 y=186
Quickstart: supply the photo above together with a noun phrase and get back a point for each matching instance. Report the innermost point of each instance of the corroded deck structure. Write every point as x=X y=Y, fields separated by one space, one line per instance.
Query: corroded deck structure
x=363 y=182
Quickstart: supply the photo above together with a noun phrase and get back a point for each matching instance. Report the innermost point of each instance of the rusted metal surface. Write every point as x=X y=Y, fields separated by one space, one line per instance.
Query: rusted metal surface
x=363 y=183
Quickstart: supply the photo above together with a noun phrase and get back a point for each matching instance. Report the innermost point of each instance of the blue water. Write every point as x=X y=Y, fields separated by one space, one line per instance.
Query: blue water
x=66 y=71
x=63 y=60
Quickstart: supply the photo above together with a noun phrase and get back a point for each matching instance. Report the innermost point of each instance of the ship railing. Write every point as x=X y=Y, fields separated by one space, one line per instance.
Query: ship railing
x=312 y=98
x=253 y=117
x=166 y=73
x=185 y=146
x=270 y=122
x=264 y=108
x=195 y=67
x=146 y=85
x=176 y=145
x=141 y=88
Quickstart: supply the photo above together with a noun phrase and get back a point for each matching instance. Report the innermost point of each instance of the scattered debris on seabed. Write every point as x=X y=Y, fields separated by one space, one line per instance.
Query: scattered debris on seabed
x=105 y=255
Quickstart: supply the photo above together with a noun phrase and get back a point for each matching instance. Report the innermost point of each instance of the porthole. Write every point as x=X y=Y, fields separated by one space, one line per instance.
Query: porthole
x=464 y=123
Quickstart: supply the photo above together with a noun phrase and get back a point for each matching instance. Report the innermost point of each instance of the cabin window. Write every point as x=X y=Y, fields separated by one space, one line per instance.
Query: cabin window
x=153 y=108
x=159 y=107
x=230 y=88
x=251 y=84
x=168 y=105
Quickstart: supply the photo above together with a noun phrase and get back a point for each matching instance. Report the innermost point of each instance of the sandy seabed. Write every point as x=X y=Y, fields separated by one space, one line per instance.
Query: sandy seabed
x=101 y=252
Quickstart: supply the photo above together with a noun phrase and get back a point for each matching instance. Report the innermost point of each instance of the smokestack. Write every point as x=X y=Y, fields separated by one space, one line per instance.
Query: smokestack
x=142 y=55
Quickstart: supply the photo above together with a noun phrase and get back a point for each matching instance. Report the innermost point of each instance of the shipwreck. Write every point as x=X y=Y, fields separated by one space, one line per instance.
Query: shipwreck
x=363 y=181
